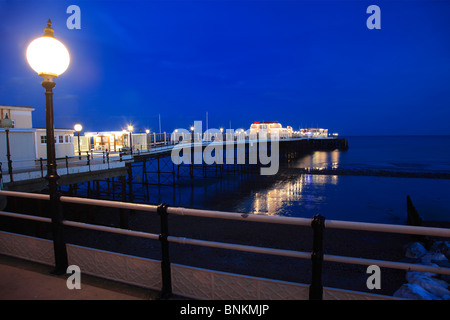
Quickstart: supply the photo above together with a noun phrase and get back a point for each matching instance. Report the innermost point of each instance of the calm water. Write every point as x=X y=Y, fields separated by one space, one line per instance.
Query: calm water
x=356 y=198
x=422 y=153
x=364 y=198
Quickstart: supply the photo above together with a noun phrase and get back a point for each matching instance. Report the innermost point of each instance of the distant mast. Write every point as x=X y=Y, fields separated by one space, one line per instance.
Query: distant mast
x=159 y=116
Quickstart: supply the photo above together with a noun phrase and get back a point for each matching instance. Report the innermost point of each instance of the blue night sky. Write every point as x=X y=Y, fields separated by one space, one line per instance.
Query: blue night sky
x=303 y=63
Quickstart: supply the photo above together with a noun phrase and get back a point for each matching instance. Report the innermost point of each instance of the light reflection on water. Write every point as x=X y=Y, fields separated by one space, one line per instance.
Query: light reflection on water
x=274 y=200
x=319 y=160
x=354 y=198
x=362 y=198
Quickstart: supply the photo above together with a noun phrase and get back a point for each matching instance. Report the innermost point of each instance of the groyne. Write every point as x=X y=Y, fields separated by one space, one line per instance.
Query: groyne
x=368 y=172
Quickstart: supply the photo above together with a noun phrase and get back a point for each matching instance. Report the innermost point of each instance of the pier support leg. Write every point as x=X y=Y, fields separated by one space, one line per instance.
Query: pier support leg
x=158 y=172
x=123 y=213
x=173 y=175
x=130 y=182
x=97 y=186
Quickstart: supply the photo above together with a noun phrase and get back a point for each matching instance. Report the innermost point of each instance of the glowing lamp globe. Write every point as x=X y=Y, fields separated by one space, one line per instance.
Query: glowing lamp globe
x=78 y=127
x=48 y=56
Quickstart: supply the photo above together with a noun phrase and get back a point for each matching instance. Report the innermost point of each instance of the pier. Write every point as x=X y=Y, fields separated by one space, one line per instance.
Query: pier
x=114 y=168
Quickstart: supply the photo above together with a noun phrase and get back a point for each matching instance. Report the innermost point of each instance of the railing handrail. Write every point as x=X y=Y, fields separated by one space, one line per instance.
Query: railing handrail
x=316 y=256
x=238 y=247
x=333 y=224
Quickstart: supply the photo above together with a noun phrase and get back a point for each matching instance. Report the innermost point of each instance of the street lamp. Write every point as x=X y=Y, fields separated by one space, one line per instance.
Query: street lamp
x=7 y=124
x=124 y=132
x=192 y=133
x=130 y=128
x=78 y=127
x=147 y=131
x=50 y=58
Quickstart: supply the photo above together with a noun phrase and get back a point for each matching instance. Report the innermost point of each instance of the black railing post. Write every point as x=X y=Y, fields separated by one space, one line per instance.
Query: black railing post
x=166 y=290
x=42 y=167
x=59 y=244
x=316 y=288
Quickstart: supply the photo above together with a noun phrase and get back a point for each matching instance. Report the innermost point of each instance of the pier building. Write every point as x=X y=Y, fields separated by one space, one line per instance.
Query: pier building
x=26 y=142
x=270 y=128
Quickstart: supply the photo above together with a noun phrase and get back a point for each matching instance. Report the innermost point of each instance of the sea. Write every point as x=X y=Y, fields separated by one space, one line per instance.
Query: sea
x=380 y=199
x=363 y=198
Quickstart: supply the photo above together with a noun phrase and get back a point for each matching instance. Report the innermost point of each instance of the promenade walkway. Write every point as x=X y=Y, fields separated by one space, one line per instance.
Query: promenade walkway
x=24 y=280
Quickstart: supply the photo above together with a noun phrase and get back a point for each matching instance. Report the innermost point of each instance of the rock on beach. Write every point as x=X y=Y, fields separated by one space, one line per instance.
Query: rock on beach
x=426 y=285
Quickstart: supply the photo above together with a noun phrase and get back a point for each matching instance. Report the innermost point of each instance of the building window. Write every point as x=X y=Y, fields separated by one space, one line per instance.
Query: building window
x=67 y=138
x=43 y=139
x=61 y=139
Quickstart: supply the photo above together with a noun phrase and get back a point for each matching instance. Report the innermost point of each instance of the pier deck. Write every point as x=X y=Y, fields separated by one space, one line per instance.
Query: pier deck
x=104 y=165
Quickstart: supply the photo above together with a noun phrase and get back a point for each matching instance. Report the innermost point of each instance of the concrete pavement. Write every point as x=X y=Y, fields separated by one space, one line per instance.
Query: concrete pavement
x=24 y=280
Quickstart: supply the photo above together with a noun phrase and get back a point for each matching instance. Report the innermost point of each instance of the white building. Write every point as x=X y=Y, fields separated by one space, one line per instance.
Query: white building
x=270 y=128
x=314 y=133
x=63 y=143
x=27 y=143
x=115 y=141
x=107 y=140
x=20 y=115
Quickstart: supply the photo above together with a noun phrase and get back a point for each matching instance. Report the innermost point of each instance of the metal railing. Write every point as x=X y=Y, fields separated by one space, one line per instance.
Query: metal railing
x=91 y=157
x=38 y=167
x=318 y=224
x=83 y=158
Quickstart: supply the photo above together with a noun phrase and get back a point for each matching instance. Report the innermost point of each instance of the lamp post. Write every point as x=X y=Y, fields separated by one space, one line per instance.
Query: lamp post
x=192 y=133
x=78 y=127
x=130 y=128
x=124 y=132
x=50 y=58
x=191 y=166
x=7 y=124
x=147 y=131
